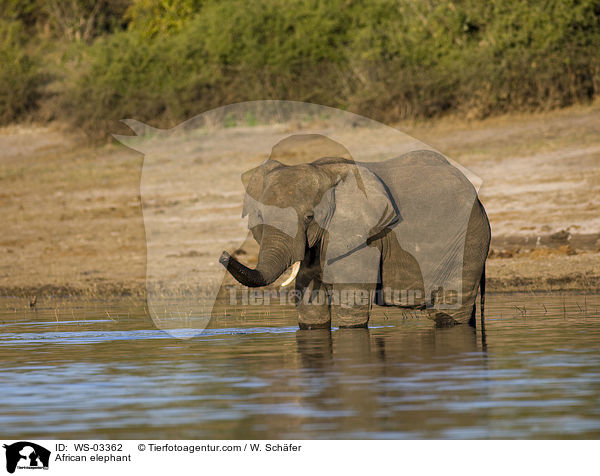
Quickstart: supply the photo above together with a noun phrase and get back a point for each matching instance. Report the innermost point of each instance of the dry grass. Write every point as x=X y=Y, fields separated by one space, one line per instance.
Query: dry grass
x=73 y=224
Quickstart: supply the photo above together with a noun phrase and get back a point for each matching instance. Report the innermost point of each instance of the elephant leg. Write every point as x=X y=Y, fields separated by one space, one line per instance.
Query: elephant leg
x=465 y=313
x=313 y=307
x=477 y=243
x=312 y=302
x=351 y=304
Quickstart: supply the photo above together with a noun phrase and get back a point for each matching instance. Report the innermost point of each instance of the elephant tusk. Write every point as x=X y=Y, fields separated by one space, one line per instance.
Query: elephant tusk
x=295 y=269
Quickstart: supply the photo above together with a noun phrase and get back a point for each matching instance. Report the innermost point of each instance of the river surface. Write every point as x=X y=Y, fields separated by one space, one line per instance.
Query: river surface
x=101 y=369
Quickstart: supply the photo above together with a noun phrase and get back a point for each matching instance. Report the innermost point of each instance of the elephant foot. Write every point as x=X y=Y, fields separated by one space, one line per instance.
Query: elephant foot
x=444 y=322
x=314 y=325
x=351 y=317
x=351 y=305
x=312 y=316
x=441 y=319
x=358 y=325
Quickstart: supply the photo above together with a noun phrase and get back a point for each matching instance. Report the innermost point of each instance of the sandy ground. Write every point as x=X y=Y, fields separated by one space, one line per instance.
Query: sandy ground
x=72 y=217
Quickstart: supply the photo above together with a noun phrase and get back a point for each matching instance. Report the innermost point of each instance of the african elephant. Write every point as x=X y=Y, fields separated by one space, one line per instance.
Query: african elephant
x=407 y=232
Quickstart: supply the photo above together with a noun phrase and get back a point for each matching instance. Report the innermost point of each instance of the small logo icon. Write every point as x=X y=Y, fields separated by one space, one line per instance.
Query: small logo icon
x=26 y=455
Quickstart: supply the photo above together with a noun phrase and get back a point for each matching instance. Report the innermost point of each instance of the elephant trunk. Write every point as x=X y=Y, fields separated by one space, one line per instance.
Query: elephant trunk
x=273 y=259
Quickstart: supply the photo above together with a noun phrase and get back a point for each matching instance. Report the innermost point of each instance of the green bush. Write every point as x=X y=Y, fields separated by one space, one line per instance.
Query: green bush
x=389 y=59
x=160 y=17
x=20 y=78
x=476 y=58
x=225 y=54
x=66 y=20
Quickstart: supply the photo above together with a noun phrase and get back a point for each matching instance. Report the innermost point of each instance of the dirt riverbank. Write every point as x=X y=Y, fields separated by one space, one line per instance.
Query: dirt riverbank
x=72 y=215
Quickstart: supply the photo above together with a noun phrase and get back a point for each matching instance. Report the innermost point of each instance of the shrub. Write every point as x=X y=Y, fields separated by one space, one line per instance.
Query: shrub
x=20 y=78
x=389 y=59
x=160 y=17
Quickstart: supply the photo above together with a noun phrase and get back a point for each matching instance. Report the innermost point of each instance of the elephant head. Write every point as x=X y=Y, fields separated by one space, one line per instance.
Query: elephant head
x=331 y=203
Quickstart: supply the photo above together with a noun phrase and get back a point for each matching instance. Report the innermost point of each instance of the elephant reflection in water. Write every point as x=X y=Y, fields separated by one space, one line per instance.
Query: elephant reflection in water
x=317 y=349
x=375 y=380
x=407 y=232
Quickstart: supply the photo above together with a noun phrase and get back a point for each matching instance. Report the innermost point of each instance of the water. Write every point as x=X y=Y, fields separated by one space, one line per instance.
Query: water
x=104 y=371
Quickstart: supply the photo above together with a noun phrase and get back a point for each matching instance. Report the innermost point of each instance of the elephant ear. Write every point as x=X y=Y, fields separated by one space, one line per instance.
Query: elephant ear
x=253 y=181
x=322 y=217
x=355 y=212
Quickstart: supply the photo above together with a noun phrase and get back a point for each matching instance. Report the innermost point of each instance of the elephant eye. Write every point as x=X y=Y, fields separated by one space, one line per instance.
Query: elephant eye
x=308 y=217
x=260 y=217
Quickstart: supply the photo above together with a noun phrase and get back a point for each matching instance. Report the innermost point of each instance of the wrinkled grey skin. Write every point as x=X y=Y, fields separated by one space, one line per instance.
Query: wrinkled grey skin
x=413 y=222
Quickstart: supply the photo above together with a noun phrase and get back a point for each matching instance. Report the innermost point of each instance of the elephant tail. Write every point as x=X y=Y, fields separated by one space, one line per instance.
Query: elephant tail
x=482 y=293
